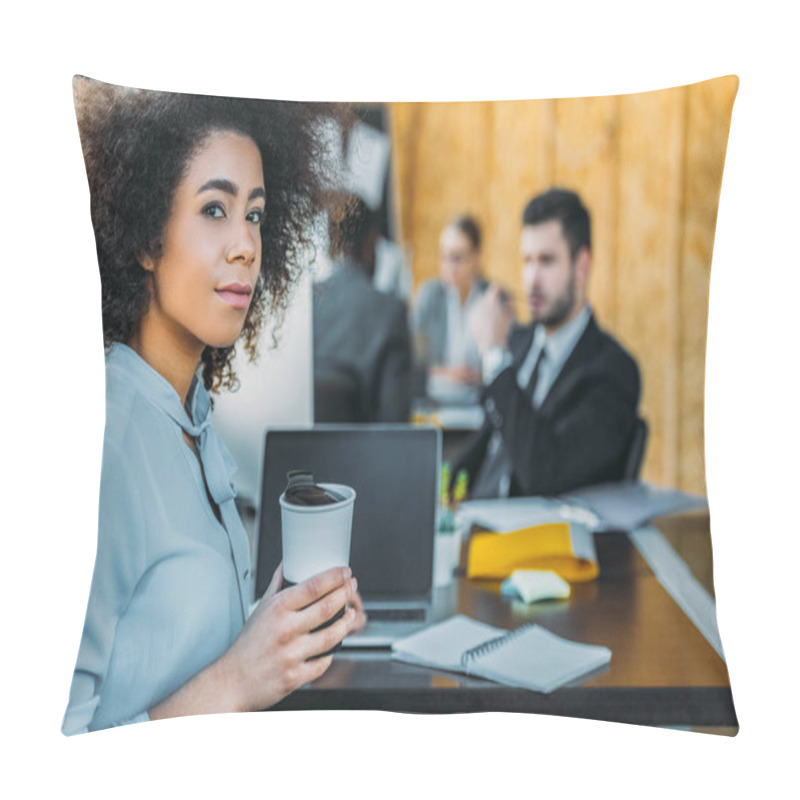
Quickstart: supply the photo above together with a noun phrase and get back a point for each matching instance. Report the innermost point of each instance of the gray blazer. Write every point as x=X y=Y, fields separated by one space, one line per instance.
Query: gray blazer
x=361 y=338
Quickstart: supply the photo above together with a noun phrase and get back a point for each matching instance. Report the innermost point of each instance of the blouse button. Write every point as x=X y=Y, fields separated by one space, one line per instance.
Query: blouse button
x=246 y=573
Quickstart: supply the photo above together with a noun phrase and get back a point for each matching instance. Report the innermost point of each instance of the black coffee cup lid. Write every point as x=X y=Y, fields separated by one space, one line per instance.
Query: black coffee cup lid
x=301 y=490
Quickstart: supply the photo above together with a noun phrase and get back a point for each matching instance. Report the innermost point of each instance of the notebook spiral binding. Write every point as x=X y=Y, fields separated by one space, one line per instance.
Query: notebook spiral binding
x=482 y=649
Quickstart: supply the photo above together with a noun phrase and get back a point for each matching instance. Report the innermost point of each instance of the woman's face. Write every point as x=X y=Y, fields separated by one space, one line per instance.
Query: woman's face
x=210 y=258
x=458 y=260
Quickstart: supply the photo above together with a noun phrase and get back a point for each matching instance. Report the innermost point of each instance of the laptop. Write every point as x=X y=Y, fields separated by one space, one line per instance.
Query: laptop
x=395 y=471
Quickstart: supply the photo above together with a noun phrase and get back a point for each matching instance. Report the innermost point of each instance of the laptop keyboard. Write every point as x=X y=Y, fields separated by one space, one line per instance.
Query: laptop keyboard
x=395 y=614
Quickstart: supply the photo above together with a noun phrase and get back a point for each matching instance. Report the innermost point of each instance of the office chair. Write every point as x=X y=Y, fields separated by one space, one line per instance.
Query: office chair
x=636 y=452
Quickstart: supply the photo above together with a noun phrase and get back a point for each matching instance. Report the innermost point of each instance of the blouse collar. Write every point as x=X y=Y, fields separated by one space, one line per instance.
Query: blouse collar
x=161 y=393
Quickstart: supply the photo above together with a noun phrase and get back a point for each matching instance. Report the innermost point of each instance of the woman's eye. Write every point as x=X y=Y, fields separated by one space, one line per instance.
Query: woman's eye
x=256 y=216
x=214 y=210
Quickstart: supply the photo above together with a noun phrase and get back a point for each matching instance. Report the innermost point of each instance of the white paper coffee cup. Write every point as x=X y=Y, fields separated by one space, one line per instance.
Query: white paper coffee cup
x=316 y=538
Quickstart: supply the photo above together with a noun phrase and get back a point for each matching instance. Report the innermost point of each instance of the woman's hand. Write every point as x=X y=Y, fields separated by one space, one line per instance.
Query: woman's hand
x=270 y=657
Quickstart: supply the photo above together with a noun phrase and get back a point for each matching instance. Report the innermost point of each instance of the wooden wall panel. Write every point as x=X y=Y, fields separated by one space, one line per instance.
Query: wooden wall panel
x=709 y=106
x=521 y=165
x=404 y=123
x=585 y=158
x=650 y=192
x=450 y=174
x=649 y=167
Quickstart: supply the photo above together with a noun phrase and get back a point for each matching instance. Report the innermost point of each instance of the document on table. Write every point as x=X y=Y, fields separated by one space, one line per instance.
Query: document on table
x=619 y=506
x=627 y=505
x=513 y=513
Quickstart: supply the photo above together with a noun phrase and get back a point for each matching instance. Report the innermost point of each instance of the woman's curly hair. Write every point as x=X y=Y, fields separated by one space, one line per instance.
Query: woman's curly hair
x=137 y=145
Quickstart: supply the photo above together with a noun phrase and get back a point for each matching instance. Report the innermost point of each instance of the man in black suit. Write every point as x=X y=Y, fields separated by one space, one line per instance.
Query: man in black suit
x=562 y=395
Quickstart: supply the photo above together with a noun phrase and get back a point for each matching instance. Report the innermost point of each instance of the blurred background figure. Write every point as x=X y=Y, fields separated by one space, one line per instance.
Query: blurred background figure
x=362 y=345
x=448 y=361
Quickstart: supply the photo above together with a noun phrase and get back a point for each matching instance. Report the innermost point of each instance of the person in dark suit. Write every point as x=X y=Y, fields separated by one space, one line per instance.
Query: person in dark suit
x=362 y=345
x=562 y=394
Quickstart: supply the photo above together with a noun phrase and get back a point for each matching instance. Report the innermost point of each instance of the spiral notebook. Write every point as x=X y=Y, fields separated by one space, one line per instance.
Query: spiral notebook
x=530 y=657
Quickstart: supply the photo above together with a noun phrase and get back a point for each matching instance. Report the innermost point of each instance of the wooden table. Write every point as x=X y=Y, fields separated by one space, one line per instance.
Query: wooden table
x=662 y=671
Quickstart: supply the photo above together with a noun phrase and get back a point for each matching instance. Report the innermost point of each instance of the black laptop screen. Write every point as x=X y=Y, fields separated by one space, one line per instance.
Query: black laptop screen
x=394 y=471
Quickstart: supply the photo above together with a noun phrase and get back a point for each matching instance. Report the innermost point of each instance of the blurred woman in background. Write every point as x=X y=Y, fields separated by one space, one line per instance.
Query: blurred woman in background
x=444 y=346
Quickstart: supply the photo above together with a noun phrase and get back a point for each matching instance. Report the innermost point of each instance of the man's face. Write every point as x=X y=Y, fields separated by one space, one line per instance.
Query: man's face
x=554 y=283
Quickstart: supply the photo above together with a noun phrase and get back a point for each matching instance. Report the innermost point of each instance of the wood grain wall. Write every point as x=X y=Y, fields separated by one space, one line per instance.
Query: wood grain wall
x=648 y=166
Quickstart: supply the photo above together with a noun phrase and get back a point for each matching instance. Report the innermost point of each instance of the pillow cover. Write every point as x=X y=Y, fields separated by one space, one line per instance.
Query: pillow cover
x=647 y=167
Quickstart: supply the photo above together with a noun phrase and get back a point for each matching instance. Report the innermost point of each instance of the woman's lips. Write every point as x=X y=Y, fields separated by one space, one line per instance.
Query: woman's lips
x=235 y=294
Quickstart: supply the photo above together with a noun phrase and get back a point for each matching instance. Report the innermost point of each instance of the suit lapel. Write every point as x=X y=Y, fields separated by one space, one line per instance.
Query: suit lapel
x=519 y=344
x=574 y=367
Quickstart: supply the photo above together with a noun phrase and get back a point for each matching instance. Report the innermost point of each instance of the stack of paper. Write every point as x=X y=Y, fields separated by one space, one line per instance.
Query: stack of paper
x=621 y=506
x=627 y=505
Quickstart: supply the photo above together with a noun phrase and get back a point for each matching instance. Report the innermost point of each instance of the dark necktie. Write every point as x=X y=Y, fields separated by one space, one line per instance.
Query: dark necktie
x=531 y=387
x=496 y=464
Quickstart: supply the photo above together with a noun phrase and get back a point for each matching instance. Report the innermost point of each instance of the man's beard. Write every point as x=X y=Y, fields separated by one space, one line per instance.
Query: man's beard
x=561 y=308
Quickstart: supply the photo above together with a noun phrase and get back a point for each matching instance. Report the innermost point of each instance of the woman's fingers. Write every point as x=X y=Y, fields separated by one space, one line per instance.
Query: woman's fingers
x=326 y=607
x=304 y=594
x=311 y=670
x=275 y=653
x=323 y=640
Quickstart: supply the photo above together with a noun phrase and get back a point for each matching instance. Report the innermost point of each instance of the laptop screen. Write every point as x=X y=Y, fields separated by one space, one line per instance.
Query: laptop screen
x=394 y=470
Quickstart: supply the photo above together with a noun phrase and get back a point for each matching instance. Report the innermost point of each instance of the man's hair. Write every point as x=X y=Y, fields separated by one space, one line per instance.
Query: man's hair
x=348 y=231
x=566 y=207
x=137 y=146
x=469 y=227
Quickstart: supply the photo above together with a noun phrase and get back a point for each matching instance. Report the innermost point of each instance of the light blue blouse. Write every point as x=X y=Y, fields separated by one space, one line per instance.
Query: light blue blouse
x=171 y=584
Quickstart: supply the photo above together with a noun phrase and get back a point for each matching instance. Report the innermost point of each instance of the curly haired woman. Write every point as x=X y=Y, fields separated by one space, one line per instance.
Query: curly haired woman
x=201 y=206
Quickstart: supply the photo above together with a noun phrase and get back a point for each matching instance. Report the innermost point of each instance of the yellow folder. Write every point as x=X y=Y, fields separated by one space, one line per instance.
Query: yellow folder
x=549 y=546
